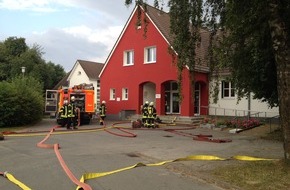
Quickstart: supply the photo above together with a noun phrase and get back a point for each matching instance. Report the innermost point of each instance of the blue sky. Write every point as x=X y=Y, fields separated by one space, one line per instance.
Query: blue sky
x=67 y=30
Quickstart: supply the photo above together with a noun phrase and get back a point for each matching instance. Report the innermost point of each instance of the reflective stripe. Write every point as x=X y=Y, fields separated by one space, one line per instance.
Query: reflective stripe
x=64 y=111
x=71 y=110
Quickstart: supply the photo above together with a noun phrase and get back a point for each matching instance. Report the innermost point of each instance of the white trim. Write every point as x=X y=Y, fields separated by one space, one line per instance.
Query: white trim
x=125 y=57
x=154 y=54
x=112 y=94
x=125 y=94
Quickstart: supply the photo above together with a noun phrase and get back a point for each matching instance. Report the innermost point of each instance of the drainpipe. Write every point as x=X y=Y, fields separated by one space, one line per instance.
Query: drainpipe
x=249 y=105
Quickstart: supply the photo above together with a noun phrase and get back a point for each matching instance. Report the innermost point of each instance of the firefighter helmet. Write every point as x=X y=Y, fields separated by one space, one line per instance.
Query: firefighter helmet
x=72 y=98
x=103 y=102
x=146 y=102
x=151 y=103
x=65 y=102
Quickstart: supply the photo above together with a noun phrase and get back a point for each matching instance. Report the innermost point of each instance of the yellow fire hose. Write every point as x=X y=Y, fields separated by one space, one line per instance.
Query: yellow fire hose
x=11 y=178
x=88 y=176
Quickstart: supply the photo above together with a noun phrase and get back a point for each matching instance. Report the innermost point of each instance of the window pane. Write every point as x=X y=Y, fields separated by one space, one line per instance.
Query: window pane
x=232 y=92
x=226 y=93
x=112 y=94
x=154 y=54
x=174 y=86
x=132 y=57
x=226 y=84
x=167 y=86
x=128 y=57
x=148 y=55
x=125 y=94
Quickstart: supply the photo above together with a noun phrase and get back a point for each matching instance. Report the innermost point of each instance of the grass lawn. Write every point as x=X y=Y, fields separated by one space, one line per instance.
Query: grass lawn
x=258 y=175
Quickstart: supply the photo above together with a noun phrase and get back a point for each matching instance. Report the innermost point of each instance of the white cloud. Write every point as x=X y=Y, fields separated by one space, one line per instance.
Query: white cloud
x=65 y=46
x=33 y=5
x=106 y=36
x=91 y=37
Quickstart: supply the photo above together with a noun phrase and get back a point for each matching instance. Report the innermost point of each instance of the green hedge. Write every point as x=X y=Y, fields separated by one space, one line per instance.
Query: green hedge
x=21 y=102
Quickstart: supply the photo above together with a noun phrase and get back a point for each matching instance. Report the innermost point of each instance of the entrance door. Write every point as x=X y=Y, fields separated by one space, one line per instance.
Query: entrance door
x=172 y=105
x=197 y=99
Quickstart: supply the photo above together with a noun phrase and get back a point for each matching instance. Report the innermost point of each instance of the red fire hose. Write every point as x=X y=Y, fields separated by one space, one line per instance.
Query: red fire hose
x=61 y=161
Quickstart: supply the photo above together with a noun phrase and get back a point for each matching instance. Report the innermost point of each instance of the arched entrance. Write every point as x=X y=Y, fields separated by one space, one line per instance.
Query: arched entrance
x=149 y=92
x=172 y=105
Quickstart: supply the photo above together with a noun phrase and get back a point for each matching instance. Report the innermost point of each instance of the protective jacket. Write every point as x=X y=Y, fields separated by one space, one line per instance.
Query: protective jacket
x=64 y=111
x=103 y=110
x=71 y=110
x=151 y=112
x=145 y=111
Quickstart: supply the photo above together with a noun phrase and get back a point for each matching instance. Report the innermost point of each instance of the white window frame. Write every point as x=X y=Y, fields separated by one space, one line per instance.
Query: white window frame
x=128 y=58
x=112 y=94
x=230 y=90
x=125 y=93
x=150 y=54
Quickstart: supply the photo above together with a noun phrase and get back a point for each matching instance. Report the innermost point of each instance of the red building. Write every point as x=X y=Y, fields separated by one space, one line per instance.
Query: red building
x=140 y=69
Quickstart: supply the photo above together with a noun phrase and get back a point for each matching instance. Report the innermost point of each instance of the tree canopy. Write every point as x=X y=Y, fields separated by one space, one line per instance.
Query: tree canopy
x=14 y=54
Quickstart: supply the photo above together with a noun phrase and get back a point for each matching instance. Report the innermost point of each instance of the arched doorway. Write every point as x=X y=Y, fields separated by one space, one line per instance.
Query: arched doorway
x=172 y=104
x=149 y=92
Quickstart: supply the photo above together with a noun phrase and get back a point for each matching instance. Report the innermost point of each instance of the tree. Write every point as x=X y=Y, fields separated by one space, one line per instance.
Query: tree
x=14 y=54
x=254 y=45
x=15 y=46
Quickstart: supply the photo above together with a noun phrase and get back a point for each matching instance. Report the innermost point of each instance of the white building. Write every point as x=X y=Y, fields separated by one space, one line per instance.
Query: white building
x=228 y=104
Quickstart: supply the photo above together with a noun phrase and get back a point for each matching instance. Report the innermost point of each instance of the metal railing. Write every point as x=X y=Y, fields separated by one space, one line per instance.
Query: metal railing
x=217 y=111
x=235 y=114
x=270 y=121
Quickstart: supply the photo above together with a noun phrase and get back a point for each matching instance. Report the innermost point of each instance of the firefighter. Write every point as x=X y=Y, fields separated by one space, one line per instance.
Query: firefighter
x=63 y=113
x=102 y=112
x=144 y=111
x=71 y=114
x=151 y=115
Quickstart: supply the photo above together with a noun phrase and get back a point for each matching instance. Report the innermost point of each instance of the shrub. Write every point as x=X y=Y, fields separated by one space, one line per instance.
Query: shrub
x=208 y=120
x=21 y=102
x=243 y=124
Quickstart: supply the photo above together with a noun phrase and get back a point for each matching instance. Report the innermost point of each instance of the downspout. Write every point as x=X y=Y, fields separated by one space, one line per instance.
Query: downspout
x=249 y=105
